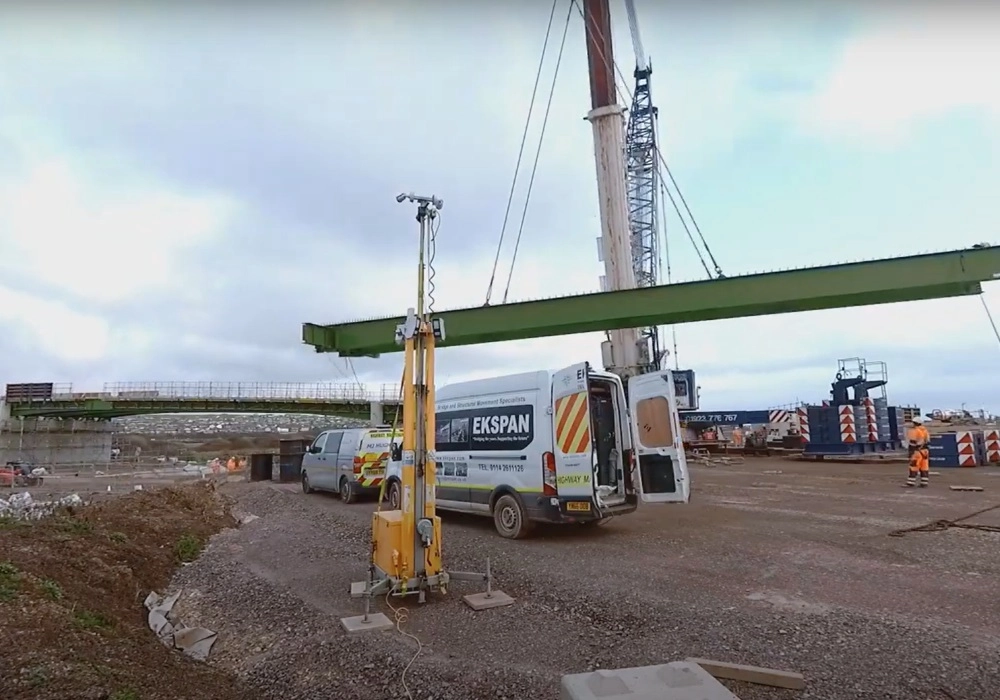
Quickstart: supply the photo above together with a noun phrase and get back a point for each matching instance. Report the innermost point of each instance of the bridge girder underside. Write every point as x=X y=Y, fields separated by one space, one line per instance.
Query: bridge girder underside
x=911 y=278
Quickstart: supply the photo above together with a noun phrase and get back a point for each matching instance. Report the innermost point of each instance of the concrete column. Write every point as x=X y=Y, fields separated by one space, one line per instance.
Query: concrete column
x=376 y=413
x=4 y=410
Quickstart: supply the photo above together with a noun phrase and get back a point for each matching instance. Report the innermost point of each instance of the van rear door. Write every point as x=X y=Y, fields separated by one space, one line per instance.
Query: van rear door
x=574 y=452
x=663 y=472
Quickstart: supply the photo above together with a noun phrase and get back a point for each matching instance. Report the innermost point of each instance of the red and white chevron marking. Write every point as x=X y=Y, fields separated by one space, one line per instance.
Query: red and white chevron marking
x=777 y=416
x=966 y=449
x=803 y=413
x=848 y=429
x=871 y=419
x=992 y=438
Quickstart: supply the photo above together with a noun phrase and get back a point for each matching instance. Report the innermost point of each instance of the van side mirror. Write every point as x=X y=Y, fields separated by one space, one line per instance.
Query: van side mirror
x=395 y=452
x=313 y=449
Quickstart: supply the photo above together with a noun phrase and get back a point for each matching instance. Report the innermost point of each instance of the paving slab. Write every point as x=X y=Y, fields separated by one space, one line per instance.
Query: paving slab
x=376 y=622
x=678 y=680
x=485 y=601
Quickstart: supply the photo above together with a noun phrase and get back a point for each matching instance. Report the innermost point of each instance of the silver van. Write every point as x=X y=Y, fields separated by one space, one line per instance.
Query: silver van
x=348 y=461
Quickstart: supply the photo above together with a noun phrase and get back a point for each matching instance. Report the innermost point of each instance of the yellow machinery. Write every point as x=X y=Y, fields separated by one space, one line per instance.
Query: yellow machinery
x=406 y=543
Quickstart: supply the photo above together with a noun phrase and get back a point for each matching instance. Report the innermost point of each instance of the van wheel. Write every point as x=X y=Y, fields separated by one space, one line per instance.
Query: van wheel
x=395 y=496
x=348 y=494
x=306 y=487
x=510 y=519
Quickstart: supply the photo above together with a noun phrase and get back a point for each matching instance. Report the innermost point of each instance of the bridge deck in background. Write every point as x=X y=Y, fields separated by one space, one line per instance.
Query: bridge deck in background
x=143 y=398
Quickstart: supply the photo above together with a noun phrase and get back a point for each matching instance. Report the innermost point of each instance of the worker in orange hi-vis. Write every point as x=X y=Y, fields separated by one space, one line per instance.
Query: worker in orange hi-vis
x=737 y=436
x=920 y=454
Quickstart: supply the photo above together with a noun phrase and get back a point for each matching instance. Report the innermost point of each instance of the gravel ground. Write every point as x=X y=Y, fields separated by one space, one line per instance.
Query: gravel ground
x=792 y=570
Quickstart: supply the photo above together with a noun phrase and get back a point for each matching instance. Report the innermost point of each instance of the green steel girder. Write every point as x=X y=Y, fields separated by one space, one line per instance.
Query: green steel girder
x=930 y=276
x=104 y=409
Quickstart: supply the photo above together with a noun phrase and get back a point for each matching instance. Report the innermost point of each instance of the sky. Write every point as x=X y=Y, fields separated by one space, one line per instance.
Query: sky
x=182 y=186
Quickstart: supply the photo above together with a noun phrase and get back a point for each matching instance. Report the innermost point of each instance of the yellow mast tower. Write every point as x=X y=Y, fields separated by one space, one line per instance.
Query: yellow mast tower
x=406 y=543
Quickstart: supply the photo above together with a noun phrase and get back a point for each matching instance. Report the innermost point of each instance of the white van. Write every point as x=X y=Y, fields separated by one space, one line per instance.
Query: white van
x=348 y=461
x=554 y=447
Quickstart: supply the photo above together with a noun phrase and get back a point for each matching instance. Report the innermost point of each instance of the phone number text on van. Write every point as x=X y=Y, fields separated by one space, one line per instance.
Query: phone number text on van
x=501 y=467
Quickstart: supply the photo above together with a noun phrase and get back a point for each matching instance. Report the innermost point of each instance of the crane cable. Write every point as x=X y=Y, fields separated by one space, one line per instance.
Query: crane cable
x=623 y=84
x=666 y=249
x=520 y=152
x=538 y=151
x=989 y=315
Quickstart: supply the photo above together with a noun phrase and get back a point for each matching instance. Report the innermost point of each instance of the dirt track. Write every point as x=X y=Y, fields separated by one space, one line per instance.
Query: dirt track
x=793 y=570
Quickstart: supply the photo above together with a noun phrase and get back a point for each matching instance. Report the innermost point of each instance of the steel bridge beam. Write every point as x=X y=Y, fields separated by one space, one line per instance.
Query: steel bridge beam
x=931 y=276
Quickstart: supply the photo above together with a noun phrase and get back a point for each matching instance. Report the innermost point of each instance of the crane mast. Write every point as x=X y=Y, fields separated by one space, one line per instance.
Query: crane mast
x=642 y=182
x=623 y=352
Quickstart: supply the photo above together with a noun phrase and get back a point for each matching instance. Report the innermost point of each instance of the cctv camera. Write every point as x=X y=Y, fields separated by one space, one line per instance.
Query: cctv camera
x=401 y=197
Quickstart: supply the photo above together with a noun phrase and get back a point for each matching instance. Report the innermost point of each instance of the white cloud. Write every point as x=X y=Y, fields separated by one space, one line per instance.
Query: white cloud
x=913 y=64
x=59 y=226
x=53 y=328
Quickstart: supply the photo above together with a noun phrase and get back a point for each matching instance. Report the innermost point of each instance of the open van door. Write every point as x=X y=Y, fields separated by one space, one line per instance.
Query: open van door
x=656 y=426
x=572 y=442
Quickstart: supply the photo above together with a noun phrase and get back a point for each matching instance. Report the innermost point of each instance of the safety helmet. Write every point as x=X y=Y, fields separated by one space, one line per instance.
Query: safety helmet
x=917 y=420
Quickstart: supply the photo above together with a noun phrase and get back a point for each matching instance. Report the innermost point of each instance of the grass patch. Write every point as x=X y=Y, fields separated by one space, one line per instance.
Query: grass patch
x=51 y=589
x=10 y=581
x=37 y=676
x=9 y=523
x=125 y=694
x=118 y=537
x=75 y=526
x=188 y=548
x=89 y=620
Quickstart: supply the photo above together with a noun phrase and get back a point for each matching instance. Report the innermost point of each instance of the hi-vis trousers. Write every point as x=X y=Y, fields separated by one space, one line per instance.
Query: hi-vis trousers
x=920 y=461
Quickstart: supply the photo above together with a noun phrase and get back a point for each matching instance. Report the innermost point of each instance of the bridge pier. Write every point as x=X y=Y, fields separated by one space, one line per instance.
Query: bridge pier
x=376 y=417
x=55 y=442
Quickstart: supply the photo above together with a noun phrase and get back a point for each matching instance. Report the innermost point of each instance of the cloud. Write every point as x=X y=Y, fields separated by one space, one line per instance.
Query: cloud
x=909 y=66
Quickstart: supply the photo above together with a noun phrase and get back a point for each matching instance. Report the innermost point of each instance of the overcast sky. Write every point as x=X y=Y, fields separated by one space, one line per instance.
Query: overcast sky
x=180 y=189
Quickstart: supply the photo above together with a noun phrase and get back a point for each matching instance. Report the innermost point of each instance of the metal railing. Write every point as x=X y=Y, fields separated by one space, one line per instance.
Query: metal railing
x=320 y=392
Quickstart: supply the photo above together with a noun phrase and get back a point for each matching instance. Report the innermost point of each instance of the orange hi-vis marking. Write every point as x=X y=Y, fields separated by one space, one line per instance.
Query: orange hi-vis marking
x=572 y=424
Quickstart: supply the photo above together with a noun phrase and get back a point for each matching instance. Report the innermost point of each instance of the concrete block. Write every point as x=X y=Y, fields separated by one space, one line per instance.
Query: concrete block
x=376 y=622
x=375 y=413
x=679 y=680
x=485 y=601
x=752 y=674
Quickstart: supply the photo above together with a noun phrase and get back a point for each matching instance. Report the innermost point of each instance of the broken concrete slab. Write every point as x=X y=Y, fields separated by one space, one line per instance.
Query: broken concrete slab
x=679 y=680
x=376 y=622
x=966 y=488
x=485 y=601
x=196 y=642
x=752 y=674
x=158 y=622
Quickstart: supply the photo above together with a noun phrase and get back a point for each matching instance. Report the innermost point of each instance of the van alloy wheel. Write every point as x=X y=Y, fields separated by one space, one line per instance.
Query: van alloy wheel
x=306 y=488
x=394 y=496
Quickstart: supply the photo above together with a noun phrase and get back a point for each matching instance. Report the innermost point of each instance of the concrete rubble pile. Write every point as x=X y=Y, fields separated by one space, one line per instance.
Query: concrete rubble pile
x=21 y=506
x=195 y=642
